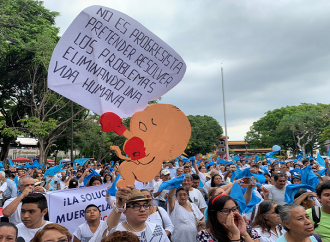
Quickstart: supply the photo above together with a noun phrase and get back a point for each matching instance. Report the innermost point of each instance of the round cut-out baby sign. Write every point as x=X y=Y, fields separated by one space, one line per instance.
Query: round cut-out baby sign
x=108 y=62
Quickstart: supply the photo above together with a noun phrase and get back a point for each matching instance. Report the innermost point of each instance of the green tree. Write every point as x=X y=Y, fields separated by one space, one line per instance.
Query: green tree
x=291 y=127
x=22 y=22
x=50 y=113
x=205 y=134
x=94 y=143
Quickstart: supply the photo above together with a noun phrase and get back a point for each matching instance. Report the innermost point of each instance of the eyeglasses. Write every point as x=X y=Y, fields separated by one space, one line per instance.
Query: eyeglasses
x=227 y=211
x=182 y=195
x=137 y=207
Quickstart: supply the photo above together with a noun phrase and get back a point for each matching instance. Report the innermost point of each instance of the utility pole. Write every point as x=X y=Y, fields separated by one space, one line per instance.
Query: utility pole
x=224 y=112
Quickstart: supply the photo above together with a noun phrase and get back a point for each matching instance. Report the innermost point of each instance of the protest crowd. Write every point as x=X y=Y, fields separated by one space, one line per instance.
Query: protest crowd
x=190 y=199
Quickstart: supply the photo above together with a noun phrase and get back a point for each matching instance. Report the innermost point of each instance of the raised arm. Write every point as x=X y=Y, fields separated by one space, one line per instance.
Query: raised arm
x=303 y=196
x=171 y=200
x=122 y=195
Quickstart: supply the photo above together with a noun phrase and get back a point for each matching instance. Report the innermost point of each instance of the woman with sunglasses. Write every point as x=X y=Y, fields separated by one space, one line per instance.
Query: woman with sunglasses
x=185 y=216
x=225 y=224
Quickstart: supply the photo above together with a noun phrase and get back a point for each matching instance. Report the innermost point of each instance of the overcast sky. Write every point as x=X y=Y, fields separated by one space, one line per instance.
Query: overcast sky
x=274 y=53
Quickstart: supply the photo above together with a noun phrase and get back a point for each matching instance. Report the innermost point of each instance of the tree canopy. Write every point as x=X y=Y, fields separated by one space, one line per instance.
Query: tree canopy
x=22 y=24
x=205 y=134
x=292 y=127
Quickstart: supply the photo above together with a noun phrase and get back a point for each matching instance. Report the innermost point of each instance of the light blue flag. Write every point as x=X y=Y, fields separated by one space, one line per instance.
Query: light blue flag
x=11 y=163
x=113 y=189
x=245 y=173
x=185 y=160
x=28 y=166
x=301 y=152
x=237 y=194
x=1 y=165
x=320 y=160
x=35 y=164
x=292 y=189
x=87 y=178
x=236 y=158
x=265 y=169
x=261 y=178
x=53 y=171
x=173 y=183
x=201 y=184
x=16 y=180
x=233 y=175
x=296 y=171
x=329 y=152
x=308 y=177
x=81 y=161
x=254 y=201
x=322 y=172
x=192 y=158
x=299 y=157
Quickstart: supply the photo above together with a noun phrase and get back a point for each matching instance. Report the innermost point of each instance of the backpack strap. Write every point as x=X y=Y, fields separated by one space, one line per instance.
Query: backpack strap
x=316 y=215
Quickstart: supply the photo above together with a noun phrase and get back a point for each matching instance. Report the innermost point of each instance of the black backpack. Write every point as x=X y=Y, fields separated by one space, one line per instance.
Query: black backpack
x=316 y=215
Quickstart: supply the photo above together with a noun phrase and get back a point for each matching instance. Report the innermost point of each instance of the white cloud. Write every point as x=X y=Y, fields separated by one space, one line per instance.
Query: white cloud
x=274 y=53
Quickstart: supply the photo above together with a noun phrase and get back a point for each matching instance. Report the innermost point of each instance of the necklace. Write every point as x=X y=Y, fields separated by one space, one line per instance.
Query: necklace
x=127 y=224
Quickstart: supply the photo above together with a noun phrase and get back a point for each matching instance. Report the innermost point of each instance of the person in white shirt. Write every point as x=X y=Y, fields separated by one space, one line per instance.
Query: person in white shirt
x=267 y=222
x=165 y=176
x=136 y=208
x=3 y=185
x=277 y=192
x=34 y=208
x=195 y=196
x=85 y=231
x=207 y=184
x=12 y=206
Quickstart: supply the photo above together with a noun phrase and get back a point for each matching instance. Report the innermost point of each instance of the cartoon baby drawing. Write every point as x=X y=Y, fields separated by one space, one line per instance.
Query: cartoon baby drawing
x=160 y=132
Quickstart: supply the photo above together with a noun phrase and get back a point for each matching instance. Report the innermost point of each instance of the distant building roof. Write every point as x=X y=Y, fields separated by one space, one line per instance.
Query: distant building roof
x=237 y=143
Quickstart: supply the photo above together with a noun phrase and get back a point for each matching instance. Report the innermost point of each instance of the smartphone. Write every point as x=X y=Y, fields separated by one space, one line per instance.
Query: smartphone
x=55 y=182
x=248 y=180
x=74 y=173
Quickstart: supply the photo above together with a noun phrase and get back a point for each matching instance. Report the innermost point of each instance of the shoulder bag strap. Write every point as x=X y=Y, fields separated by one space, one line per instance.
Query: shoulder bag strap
x=160 y=214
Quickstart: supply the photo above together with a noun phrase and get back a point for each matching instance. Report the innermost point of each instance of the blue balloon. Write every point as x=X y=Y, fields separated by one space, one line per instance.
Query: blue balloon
x=276 y=148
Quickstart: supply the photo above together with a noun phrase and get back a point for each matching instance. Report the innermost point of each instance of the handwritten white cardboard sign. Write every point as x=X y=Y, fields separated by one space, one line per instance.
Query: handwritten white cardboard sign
x=108 y=62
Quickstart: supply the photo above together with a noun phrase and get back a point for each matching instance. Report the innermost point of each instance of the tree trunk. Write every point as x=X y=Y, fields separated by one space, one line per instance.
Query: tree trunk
x=42 y=152
x=5 y=149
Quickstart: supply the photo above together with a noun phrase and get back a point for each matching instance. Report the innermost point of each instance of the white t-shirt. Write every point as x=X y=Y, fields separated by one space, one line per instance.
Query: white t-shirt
x=270 y=237
x=15 y=218
x=98 y=170
x=151 y=233
x=207 y=186
x=83 y=232
x=197 y=198
x=3 y=188
x=27 y=234
x=156 y=219
x=161 y=196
